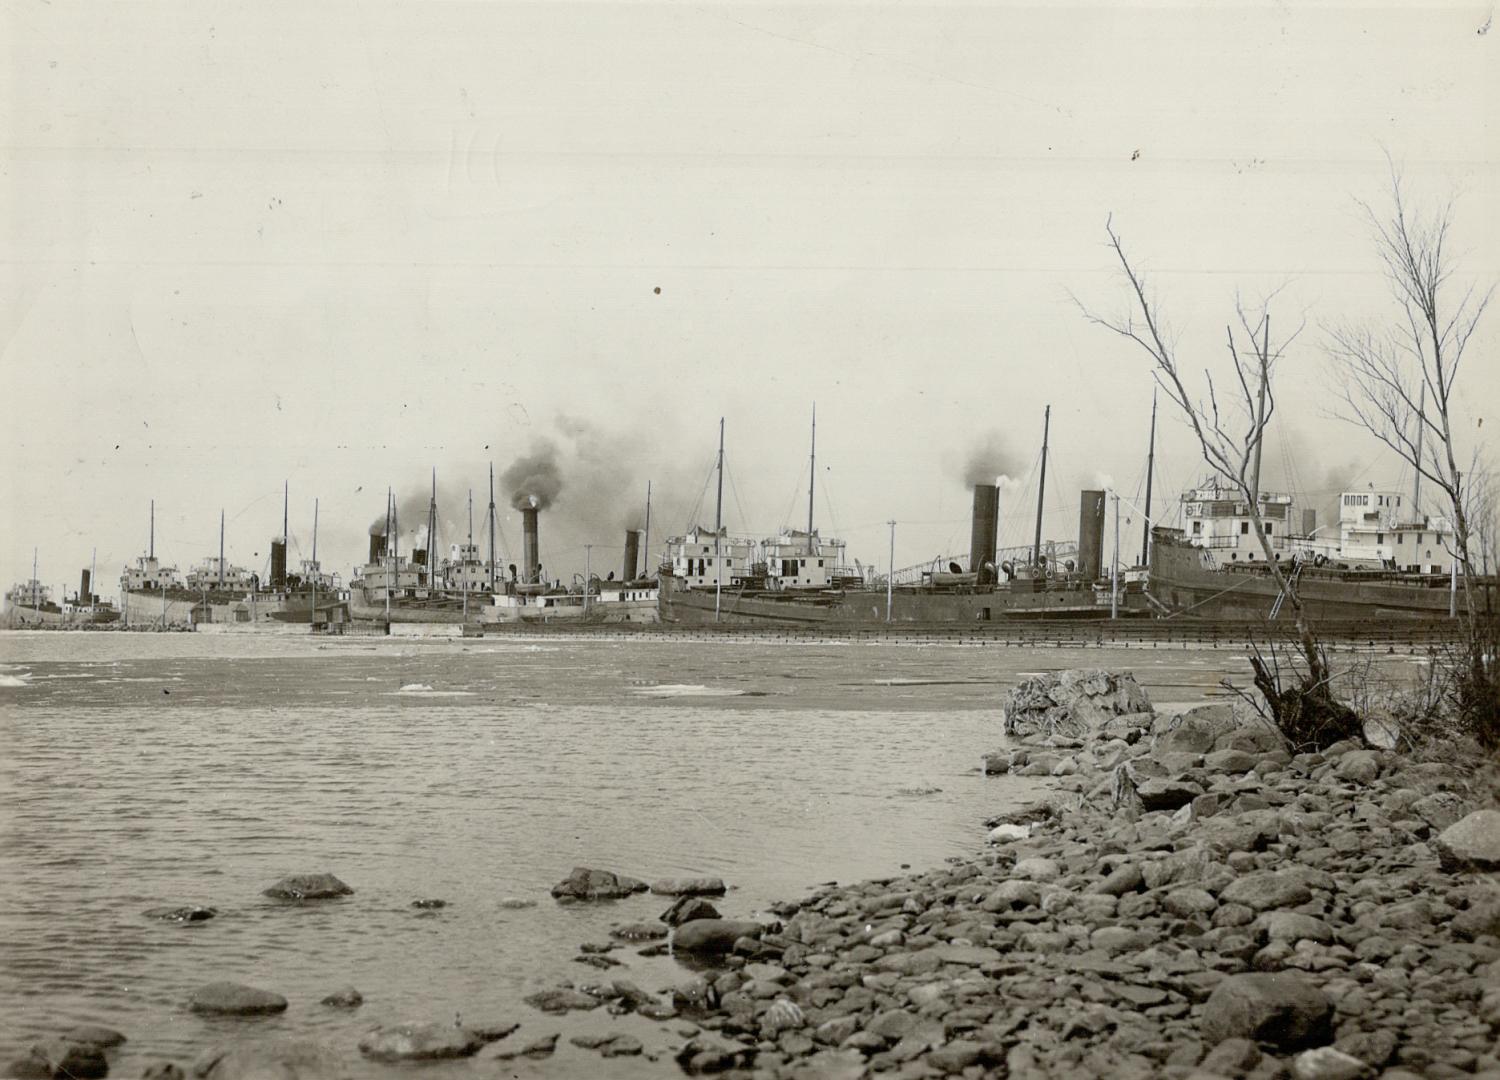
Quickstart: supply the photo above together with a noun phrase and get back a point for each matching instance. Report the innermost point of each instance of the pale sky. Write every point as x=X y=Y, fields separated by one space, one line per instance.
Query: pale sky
x=343 y=244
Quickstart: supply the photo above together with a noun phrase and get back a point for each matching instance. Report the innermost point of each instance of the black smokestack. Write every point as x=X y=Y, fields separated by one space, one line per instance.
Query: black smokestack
x=529 y=549
x=534 y=480
x=985 y=534
x=1091 y=535
x=632 y=553
x=377 y=547
x=84 y=596
x=278 y=564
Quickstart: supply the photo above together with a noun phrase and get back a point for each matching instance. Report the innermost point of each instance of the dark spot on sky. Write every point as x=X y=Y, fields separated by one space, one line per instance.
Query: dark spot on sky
x=657 y=290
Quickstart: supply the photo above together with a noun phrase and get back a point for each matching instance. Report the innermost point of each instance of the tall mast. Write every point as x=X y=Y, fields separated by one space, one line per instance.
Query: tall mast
x=93 y=559
x=33 y=578
x=1416 y=480
x=432 y=534
x=812 y=479
x=390 y=552
x=312 y=612
x=221 y=547
x=464 y=562
x=1041 y=489
x=719 y=528
x=1150 y=471
x=492 y=526
x=151 y=550
x=646 y=542
x=286 y=491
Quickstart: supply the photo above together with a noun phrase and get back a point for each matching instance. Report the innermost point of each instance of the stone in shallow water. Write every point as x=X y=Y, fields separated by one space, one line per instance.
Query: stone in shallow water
x=639 y=931
x=536 y=1048
x=235 y=999
x=65 y=1058
x=561 y=1000
x=346 y=998
x=713 y=935
x=512 y=903
x=688 y=908
x=700 y=886
x=419 y=1042
x=274 y=1059
x=429 y=905
x=94 y=1035
x=185 y=913
x=308 y=887
x=586 y=884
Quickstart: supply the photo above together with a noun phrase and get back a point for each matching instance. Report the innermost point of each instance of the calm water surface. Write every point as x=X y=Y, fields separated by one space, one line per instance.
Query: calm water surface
x=139 y=770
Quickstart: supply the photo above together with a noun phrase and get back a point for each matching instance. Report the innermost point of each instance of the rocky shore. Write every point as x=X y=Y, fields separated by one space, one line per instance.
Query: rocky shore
x=1195 y=900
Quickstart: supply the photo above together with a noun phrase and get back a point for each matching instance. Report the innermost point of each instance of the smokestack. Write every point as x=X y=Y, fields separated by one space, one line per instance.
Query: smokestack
x=986 y=533
x=632 y=553
x=529 y=549
x=377 y=547
x=1309 y=521
x=419 y=556
x=84 y=596
x=278 y=565
x=1091 y=535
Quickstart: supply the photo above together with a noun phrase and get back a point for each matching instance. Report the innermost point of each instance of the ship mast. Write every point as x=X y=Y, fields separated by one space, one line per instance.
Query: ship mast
x=151 y=548
x=646 y=541
x=390 y=560
x=221 y=547
x=312 y=613
x=432 y=535
x=812 y=479
x=34 y=584
x=464 y=562
x=286 y=494
x=719 y=528
x=1041 y=489
x=93 y=559
x=1150 y=470
x=492 y=526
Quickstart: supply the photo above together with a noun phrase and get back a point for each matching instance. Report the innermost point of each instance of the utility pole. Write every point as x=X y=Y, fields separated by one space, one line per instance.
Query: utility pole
x=890 y=572
x=1114 y=569
x=1041 y=489
x=1150 y=472
x=719 y=530
x=390 y=562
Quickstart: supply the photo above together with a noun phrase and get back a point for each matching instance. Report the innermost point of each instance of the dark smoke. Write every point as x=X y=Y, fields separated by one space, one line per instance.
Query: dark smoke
x=989 y=461
x=534 y=479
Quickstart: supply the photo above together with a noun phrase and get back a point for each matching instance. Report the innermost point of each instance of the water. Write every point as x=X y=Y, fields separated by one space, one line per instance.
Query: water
x=141 y=770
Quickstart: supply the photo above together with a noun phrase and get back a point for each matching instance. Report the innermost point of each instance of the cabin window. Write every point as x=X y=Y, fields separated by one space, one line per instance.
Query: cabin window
x=1268 y=528
x=1380 y=538
x=1244 y=527
x=1197 y=528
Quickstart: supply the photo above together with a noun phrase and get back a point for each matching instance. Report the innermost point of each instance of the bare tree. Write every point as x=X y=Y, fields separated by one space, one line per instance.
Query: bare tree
x=1230 y=427
x=1398 y=381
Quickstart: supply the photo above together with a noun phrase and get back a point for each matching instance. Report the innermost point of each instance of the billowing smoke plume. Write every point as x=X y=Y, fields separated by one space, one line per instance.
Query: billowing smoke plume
x=534 y=479
x=990 y=462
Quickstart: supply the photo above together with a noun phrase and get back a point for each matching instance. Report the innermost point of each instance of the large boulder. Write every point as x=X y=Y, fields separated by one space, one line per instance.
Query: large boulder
x=698 y=886
x=688 y=908
x=274 y=1059
x=1282 y=1008
x=419 y=1042
x=1472 y=843
x=586 y=884
x=308 y=887
x=1072 y=703
x=713 y=935
x=235 y=999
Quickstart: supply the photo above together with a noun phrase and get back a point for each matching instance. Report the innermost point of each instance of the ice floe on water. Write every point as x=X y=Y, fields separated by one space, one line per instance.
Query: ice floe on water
x=15 y=681
x=417 y=689
x=686 y=690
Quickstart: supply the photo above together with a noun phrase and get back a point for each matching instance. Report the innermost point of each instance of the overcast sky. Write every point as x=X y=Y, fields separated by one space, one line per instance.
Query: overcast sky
x=344 y=244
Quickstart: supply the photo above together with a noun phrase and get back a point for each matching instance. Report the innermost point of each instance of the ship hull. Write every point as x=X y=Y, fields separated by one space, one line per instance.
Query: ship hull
x=868 y=606
x=370 y=606
x=1187 y=582
x=22 y=616
x=184 y=607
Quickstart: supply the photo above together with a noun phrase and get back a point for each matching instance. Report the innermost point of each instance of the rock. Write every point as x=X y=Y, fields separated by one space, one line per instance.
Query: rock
x=1440 y=809
x=783 y=1015
x=713 y=935
x=698 y=886
x=1374 y=1048
x=515 y=903
x=1167 y=794
x=491 y=1030
x=1281 y=1008
x=1121 y=880
x=1472 y=843
x=1480 y=918
x=997 y=764
x=345 y=998
x=1071 y=703
x=1266 y=889
x=1037 y=869
x=536 y=1048
x=163 y=1070
x=1230 y=761
x=67 y=1059
x=639 y=931
x=709 y=1053
x=235 y=999
x=586 y=884
x=1291 y=926
x=561 y=1000
x=1232 y=1057
x=688 y=908
x=34 y=1066
x=1189 y=902
x=1383 y=733
x=308 y=887
x=429 y=905
x=612 y=1044
x=1327 y=1063
x=94 y=1035
x=185 y=913
x=1358 y=767
x=419 y=1042
x=275 y=1059
x=1004 y=834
